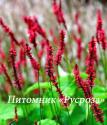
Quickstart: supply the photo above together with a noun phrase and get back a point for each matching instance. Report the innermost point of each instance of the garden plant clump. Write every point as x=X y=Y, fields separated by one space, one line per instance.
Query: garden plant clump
x=52 y=76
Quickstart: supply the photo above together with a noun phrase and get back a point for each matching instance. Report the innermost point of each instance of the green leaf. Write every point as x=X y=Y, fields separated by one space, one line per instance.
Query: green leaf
x=84 y=75
x=78 y=115
x=2 y=79
x=70 y=90
x=48 y=121
x=35 y=86
x=7 y=111
x=100 y=92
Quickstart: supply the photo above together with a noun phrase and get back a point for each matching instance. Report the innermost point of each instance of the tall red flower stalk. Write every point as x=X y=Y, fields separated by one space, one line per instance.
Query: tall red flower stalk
x=20 y=75
x=4 y=70
x=81 y=83
x=99 y=25
x=54 y=38
x=60 y=51
x=98 y=113
x=8 y=31
x=2 y=53
x=87 y=92
x=58 y=12
x=79 y=26
x=78 y=41
x=50 y=72
x=103 y=40
x=41 y=51
x=90 y=62
x=12 y=57
x=31 y=31
x=100 y=32
x=33 y=61
x=33 y=28
x=22 y=54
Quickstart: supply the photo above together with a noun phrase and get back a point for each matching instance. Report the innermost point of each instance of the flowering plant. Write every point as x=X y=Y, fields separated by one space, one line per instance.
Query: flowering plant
x=44 y=81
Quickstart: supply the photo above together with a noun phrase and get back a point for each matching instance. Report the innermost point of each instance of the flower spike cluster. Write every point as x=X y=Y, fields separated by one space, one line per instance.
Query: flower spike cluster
x=79 y=26
x=100 y=32
x=22 y=54
x=98 y=113
x=33 y=28
x=82 y=84
x=78 y=41
x=60 y=51
x=34 y=63
x=90 y=62
x=57 y=10
x=50 y=73
x=12 y=57
x=9 y=31
x=4 y=70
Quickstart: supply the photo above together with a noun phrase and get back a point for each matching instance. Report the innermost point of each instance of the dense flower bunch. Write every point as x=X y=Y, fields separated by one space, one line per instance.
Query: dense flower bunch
x=50 y=72
x=4 y=70
x=60 y=51
x=79 y=26
x=100 y=32
x=84 y=85
x=33 y=28
x=57 y=9
x=33 y=61
x=90 y=62
x=22 y=55
x=12 y=57
x=78 y=41
x=9 y=31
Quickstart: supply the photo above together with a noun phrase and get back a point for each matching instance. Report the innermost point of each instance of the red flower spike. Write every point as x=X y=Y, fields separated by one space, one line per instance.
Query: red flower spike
x=41 y=51
x=99 y=20
x=81 y=83
x=20 y=75
x=9 y=31
x=77 y=14
x=61 y=48
x=49 y=63
x=34 y=63
x=87 y=92
x=50 y=71
x=100 y=33
x=2 y=53
x=32 y=37
x=33 y=28
x=54 y=38
x=12 y=56
x=22 y=54
x=3 y=67
x=78 y=41
x=90 y=62
x=57 y=10
x=78 y=79
x=79 y=26
x=97 y=112
x=64 y=101
x=103 y=39
x=39 y=29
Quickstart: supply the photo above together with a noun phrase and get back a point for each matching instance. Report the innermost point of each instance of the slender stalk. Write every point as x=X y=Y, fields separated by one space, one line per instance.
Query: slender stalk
x=55 y=108
x=40 y=97
x=59 y=86
x=58 y=77
x=103 y=62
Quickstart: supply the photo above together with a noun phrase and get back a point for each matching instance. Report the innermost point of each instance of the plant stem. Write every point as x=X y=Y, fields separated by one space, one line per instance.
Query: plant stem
x=55 y=108
x=40 y=97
